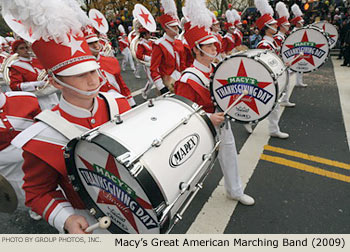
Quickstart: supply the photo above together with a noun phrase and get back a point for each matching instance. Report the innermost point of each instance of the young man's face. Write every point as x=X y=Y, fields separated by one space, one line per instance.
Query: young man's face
x=172 y=32
x=95 y=48
x=209 y=49
x=284 y=28
x=23 y=50
x=88 y=81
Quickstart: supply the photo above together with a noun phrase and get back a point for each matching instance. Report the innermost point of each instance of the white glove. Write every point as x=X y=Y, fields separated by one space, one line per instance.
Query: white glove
x=31 y=85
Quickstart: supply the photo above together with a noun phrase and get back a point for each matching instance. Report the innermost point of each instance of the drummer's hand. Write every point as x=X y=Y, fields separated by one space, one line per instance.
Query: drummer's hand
x=76 y=224
x=217 y=118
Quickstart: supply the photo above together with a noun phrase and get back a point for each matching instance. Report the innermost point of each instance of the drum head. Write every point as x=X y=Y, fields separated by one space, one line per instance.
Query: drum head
x=8 y=198
x=18 y=27
x=312 y=42
x=238 y=73
x=106 y=186
x=330 y=30
x=145 y=17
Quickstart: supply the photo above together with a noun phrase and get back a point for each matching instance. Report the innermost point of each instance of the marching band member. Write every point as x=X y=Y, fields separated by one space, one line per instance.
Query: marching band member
x=124 y=48
x=17 y=110
x=298 y=22
x=279 y=37
x=62 y=49
x=268 y=27
x=24 y=73
x=228 y=42
x=143 y=53
x=215 y=29
x=194 y=85
x=109 y=67
x=168 y=57
x=184 y=24
x=237 y=26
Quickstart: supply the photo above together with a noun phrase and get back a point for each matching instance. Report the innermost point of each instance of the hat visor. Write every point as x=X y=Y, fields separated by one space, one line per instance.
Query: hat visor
x=80 y=68
x=210 y=40
x=92 y=40
x=272 y=21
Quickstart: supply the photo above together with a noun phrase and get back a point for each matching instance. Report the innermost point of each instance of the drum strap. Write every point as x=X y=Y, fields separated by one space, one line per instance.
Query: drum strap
x=199 y=75
x=57 y=122
x=113 y=108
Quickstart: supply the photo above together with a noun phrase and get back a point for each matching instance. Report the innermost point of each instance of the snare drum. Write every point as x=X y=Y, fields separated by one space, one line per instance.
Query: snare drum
x=310 y=40
x=144 y=168
x=260 y=72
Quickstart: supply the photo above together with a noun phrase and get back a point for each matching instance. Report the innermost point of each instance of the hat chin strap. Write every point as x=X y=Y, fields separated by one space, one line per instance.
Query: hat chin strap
x=207 y=54
x=171 y=29
x=270 y=27
x=87 y=93
x=94 y=50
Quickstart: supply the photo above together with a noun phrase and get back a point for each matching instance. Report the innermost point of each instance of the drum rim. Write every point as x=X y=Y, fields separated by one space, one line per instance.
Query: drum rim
x=324 y=21
x=86 y=198
x=329 y=49
x=221 y=110
x=203 y=115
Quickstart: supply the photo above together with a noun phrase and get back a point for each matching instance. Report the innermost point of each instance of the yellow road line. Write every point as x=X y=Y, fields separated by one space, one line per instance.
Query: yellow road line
x=305 y=167
x=308 y=157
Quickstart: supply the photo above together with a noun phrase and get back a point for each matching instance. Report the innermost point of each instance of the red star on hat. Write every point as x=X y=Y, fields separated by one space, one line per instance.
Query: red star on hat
x=98 y=20
x=247 y=99
x=308 y=57
x=107 y=198
x=145 y=17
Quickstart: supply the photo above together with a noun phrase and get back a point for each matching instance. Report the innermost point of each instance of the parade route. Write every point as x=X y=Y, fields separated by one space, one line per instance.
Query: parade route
x=300 y=184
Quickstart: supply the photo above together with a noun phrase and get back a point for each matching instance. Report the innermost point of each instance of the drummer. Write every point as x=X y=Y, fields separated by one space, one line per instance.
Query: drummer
x=268 y=28
x=73 y=70
x=279 y=38
x=298 y=22
x=193 y=85
x=17 y=110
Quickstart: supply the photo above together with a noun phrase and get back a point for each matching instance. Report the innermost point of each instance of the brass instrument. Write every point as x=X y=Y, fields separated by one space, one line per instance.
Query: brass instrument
x=107 y=49
x=6 y=67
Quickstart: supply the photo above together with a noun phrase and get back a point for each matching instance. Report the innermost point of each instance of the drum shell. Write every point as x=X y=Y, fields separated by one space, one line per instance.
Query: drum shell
x=158 y=182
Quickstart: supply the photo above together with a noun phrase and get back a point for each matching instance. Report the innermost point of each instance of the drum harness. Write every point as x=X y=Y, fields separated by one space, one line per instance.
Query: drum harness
x=205 y=83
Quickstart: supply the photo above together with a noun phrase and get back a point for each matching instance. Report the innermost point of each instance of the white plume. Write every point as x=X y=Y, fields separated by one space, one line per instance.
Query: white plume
x=76 y=7
x=121 y=28
x=230 y=17
x=169 y=7
x=49 y=19
x=198 y=13
x=296 y=10
x=263 y=7
x=282 y=10
x=236 y=14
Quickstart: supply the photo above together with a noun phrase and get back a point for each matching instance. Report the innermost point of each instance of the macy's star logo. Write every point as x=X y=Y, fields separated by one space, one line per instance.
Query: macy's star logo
x=247 y=99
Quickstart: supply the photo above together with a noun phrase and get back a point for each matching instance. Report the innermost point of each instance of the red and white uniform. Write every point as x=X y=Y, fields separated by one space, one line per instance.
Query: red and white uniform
x=124 y=48
x=144 y=50
x=197 y=90
x=168 y=59
x=23 y=77
x=268 y=43
x=44 y=166
x=279 y=37
x=228 y=43
x=111 y=70
x=238 y=37
x=188 y=53
x=17 y=110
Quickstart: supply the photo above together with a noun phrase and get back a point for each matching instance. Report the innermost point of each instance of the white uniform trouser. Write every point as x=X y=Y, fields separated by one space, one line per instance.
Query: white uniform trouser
x=273 y=118
x=228 y=161
x=11 y=162
x=150 y=82
x=138 y=68
x=127 y=58
x=299 y=78
x=285 y=96
x=48 y=101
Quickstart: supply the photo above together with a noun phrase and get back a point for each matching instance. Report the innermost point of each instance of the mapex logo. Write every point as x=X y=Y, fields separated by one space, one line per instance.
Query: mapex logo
x=184 y=150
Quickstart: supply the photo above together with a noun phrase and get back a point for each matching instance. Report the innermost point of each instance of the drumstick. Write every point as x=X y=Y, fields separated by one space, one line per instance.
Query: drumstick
x=297 y=57
x=245 y=92
x=103 y=223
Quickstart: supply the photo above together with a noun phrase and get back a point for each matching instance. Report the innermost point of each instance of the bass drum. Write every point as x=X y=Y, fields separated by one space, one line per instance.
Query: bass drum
x=330 y=30
x=260 y=72
x=314 y=45
x=143 y=169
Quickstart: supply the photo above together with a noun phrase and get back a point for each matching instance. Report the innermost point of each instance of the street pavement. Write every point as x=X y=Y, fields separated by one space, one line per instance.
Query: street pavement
x=300 y=184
